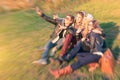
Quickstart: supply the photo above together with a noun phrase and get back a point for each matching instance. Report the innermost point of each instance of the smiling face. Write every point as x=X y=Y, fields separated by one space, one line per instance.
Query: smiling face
x=93 y=25
x=69 y=20
x=79 y=18
x=96 y=24
x=90 y=26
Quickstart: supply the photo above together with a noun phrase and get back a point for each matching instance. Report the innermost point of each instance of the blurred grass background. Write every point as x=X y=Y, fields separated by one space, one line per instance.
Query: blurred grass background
x=22 y=32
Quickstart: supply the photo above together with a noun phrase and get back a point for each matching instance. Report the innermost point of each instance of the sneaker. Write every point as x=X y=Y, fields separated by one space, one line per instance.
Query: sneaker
x=51 y=59
x=40 y=62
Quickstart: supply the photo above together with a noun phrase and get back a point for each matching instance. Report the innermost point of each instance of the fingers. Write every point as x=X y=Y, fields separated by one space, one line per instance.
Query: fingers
x=55 y=16
x=38 y=11
x=37 y=8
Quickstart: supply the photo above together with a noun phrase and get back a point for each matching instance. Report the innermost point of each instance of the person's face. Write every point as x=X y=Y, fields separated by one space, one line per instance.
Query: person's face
x=96 y=24
x=68 y=21
x=85 y=21
x=78 y=18
x=90 y=26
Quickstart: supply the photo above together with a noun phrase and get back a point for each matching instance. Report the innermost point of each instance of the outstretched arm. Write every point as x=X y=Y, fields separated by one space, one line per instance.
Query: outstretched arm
x=47 y=18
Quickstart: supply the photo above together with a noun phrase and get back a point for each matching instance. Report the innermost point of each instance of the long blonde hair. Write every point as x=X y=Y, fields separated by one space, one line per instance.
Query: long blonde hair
x=95 y=25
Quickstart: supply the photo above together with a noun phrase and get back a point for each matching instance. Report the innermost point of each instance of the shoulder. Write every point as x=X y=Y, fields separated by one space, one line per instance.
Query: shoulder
x=71 y=30
x=93 y=34
x=60 y=20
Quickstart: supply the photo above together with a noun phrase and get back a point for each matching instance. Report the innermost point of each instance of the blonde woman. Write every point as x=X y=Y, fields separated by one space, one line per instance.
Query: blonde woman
x=95 y=42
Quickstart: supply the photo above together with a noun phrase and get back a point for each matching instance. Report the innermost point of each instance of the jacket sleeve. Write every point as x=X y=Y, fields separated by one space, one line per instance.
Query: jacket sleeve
x=92 y=41
x=103 y=34
x=66 y=44
x=49 y=19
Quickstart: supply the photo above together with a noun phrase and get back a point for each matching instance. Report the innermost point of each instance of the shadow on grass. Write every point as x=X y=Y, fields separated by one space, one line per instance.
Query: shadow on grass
x=112 y=31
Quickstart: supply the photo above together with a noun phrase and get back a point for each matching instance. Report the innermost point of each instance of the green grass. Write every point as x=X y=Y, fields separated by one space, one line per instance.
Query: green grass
x=20 y=35
x=22 y=32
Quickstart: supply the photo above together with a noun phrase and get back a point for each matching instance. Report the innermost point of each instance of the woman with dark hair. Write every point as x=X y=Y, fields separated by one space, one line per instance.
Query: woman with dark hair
x=81 y=23
x=63 y=27
x=71 y=40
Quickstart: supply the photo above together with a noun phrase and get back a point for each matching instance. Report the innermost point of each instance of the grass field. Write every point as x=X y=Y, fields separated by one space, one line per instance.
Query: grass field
x=23 y=32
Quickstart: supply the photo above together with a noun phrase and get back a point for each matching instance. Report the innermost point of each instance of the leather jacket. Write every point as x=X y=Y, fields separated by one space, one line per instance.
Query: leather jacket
x=57 y=31
x=95 y=43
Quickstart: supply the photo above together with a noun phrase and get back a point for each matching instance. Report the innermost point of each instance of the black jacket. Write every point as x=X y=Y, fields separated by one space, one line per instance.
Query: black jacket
x=94 y=44
x=57 y=31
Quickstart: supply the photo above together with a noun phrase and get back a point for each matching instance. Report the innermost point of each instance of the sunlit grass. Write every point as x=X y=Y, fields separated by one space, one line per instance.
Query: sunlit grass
x=22 y=32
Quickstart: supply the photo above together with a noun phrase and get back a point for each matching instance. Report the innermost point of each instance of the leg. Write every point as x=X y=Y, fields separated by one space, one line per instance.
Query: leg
x=47 y=48
x=73 y=52
x=92 y=66
x=58 y=46
x=70 y=68
x=69 y=55
x=44 y=58
x=60 y=72
x=85 y=60
x=53 y=51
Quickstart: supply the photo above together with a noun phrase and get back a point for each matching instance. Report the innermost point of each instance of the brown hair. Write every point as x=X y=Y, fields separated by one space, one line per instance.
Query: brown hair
x=96 y=25
x=71 y=16
x=81 y=13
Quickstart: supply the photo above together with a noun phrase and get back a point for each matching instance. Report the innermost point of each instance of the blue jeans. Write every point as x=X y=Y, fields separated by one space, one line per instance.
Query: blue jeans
x=47 y=48
x=58 y=45
x=85 y=58
x=50 y=45
x=73 y=52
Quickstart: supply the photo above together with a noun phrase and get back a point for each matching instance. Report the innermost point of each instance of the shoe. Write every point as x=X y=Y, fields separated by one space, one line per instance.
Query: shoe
x=51 y=59
x=55 y=61
x=58 y=62
x=93 y=66
x=40 y=62
x=59 y=72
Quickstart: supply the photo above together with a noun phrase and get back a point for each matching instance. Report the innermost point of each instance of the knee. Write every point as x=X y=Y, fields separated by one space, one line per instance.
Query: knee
x=54 y=49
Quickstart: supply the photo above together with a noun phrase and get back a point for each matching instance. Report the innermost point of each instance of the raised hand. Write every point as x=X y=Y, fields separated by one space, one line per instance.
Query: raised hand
x=55 y=16
x=62 y=27
x=38 y=11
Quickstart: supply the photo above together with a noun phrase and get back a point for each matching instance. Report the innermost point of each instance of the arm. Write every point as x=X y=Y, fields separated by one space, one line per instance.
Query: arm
x=47 y=18
x=92 y=41
x=66 y=44
x=99 y=32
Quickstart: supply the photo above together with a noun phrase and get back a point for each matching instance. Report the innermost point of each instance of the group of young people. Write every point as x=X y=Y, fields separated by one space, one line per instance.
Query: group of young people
x=79 y=35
